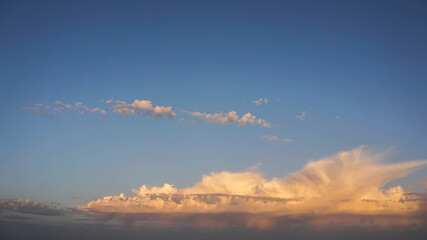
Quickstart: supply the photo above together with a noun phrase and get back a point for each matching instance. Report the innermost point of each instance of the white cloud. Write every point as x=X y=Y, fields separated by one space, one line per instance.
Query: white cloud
x=249 y=118
x=123 y=108
x=229 y=118
x=220 y=118
x=260 y=101
x=158 y=111
x=142 y=105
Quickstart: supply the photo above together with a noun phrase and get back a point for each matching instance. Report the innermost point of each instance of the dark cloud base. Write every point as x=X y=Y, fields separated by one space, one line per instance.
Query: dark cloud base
x=18 y=231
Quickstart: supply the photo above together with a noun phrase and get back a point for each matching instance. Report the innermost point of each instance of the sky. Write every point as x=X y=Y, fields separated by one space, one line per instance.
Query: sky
x=130 y=113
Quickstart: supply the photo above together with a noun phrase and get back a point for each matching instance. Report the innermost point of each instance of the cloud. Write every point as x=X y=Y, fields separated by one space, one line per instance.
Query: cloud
x=157 y=111
x=160 y=110
x=275 y=138
x=347 y=184
x=249 y=118
x=123 y=108
x=229 y=118
x=260 y=101
x=94 y=110
x=142 y=105
x=27 y=206
x=220 y=118
x=39 y=110
x=302 y=116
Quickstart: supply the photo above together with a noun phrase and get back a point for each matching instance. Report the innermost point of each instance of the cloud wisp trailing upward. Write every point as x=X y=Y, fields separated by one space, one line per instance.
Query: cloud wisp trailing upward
x=349 y=183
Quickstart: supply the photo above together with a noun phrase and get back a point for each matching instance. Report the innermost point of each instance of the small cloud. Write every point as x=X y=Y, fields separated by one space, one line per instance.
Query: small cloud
x=337 y=117
x=229 y=118
x=260 y=101
x=220 y=118
x=123 y=108
x=249 y=118
x=101 y=111
x=158 y=111
x=302 y=116
x=275 y=138
x=39 y=110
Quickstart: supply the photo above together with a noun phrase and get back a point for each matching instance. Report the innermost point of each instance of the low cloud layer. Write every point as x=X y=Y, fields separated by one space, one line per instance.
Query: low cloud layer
x=30 y=207
x=276 y=138
x=347 y=184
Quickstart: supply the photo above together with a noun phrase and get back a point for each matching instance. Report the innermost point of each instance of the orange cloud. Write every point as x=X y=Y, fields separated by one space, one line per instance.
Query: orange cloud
x=347 y=184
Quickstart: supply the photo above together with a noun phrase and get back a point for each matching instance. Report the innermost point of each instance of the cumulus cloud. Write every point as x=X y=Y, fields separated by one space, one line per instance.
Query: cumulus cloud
x=260 y=101
x=275 y=138
x=302 y=116
x=142 y=105
x=220 y=118
x=229 y=118
x=249 y=118
x=157 y=111
x=347 y=184
x=31 y=207
x=123 y=108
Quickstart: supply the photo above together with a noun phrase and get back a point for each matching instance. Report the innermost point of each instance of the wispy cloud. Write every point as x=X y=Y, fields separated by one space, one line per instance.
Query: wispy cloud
x=302 y=116
x=275 y=138
x=260 y=101
x=229 y=118
x=39 y=110
x=347 y=184
x=27 y=206
x=220 y=118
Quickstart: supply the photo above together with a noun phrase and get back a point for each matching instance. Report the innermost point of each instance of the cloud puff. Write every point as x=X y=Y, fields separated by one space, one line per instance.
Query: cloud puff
x=249 y=118
x=260 y=101
x=157 y=111
x=302 y=116
x=349 y=183
x=275 y=138
x=123 y=108
x=229 y=118
x=142 y=105
x=27 y=206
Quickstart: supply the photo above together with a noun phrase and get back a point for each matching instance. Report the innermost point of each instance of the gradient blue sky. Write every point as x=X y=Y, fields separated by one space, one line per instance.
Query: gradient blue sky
x=363 y=61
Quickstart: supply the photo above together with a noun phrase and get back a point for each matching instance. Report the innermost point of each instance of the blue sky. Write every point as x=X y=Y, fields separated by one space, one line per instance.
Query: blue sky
x=364 y=62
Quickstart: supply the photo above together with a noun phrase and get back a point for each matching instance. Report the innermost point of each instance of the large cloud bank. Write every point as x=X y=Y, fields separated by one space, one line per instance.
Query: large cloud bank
x=347 y=184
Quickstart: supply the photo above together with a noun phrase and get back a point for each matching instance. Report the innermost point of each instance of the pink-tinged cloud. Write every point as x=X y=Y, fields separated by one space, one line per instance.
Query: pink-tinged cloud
x=229 y=118
x=345 y=185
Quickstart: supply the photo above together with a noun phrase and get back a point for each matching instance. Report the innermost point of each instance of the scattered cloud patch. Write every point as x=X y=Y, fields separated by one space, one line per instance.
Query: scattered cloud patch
x=229 y=118
x=302 y=116
x=260 y=101
x=220 y=118
x=275 y=138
